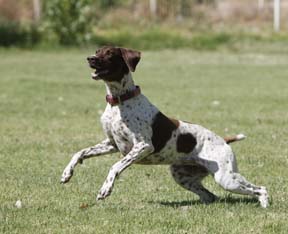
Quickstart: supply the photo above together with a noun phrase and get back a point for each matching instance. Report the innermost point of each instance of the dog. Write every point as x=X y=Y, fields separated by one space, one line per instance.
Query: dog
x=144 y=135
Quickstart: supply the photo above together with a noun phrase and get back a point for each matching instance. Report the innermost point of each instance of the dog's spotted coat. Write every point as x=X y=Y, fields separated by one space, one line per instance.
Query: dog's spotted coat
x=143 y=135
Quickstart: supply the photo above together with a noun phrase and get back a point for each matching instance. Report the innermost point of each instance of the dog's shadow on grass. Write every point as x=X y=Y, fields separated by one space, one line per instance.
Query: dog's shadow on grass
x=226 y=200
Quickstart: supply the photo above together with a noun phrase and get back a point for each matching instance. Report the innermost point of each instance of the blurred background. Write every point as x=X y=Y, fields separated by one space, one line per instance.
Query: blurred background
x=144 y=24
x=222 y=64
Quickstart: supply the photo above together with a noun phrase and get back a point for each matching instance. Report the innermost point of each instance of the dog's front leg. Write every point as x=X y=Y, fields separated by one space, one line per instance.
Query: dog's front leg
x=105 y=147
x=138 y=152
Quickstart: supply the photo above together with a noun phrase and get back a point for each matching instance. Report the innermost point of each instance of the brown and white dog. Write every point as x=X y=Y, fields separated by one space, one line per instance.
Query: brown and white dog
x=142 y=134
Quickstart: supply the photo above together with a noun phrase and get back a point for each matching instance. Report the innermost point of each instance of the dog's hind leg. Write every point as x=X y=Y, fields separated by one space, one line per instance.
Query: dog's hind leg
x=236 y=183
x=105 y=147
x=230 y=179
x=190 y=177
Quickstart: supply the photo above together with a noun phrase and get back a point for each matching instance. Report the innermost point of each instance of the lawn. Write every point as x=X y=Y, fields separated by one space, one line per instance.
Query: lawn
x=50 y=108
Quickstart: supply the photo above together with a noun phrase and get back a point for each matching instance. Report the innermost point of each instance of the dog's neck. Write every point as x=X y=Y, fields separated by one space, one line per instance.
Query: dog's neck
x=115 y=88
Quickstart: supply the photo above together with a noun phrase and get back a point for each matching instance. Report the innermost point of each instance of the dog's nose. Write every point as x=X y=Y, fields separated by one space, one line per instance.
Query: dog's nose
x=91 y=58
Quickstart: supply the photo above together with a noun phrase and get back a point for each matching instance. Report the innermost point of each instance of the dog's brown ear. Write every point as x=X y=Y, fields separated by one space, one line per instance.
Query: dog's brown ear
x=131 y=58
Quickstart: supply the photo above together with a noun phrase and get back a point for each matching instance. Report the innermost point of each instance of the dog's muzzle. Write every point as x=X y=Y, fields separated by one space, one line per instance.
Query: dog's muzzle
x=95 y=63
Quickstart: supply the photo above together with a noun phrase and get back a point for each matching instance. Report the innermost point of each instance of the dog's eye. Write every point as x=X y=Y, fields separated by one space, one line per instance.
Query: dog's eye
x=109 y=52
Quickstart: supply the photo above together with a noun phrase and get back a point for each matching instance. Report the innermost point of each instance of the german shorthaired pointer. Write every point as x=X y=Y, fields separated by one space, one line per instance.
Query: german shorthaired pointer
x=143 y=135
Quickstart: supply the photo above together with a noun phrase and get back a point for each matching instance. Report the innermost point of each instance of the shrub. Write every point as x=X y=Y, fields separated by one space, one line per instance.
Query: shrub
x=105 y=4
x=69 y=20
x=14 y=34
x=157 y=38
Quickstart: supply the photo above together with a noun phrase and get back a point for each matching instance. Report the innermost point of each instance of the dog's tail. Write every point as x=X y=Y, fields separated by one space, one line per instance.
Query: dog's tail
x=231 y=139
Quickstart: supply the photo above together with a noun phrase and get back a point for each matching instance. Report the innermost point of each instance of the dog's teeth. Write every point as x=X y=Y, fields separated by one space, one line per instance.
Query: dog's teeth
x=94 y=75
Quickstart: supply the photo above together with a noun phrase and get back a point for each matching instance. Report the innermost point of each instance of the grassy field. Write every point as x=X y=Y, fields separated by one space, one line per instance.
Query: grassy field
x=50 y=108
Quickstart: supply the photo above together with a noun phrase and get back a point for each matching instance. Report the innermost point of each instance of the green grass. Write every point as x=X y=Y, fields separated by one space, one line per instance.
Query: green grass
x=50 y=108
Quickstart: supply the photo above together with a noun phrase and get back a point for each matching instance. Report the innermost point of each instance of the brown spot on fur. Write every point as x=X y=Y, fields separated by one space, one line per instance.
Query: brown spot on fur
x=186 y=143
x=175 y=122
x=162 y=128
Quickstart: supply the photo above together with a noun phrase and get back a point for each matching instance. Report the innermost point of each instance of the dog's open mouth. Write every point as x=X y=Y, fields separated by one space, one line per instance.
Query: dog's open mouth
x=98 y=73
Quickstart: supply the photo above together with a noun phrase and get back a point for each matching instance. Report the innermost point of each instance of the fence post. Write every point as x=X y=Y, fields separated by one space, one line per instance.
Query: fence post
x=153 y=7
x=277 y=8
x=261 y=4
x=36 y=10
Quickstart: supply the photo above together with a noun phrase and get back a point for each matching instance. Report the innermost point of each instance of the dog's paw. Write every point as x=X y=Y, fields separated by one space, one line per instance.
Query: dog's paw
x=105 y=191
x=66 y=176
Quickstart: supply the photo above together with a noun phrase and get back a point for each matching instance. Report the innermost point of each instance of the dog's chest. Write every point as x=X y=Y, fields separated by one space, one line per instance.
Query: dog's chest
x=129 y=123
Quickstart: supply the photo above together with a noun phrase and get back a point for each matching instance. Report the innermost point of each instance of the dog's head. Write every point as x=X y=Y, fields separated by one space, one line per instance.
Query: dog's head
x=112 y=63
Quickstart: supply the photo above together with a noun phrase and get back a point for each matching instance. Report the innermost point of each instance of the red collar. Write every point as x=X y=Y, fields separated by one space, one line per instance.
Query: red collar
x=113 y=101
